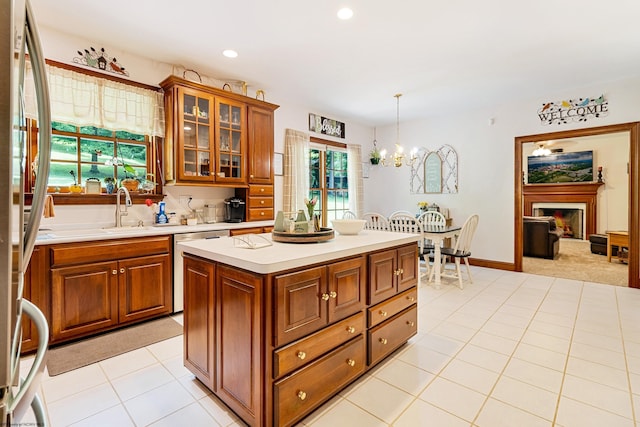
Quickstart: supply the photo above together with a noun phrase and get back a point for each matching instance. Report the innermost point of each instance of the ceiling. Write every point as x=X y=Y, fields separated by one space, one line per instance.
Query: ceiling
x=443 y=56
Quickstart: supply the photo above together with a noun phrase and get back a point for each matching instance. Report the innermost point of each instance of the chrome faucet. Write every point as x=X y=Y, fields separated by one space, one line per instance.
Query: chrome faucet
x=127 y=202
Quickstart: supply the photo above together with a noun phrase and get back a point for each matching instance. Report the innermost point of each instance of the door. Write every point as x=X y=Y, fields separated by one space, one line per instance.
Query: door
x=346 y=288
x=260 y=146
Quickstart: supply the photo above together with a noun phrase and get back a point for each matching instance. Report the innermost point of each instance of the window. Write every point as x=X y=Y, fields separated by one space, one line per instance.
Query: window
x=328 y=181
x=82 y=152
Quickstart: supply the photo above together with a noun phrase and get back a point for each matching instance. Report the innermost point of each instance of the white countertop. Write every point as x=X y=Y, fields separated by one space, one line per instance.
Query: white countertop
x=98 y=232
x=285 y=256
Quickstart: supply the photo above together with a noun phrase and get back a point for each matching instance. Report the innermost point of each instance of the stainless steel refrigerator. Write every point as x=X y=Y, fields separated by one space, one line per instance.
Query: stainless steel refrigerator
x=19 y=221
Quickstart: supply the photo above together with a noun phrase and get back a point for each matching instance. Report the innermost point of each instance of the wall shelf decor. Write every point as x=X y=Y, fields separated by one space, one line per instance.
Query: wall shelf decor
x=435 y=171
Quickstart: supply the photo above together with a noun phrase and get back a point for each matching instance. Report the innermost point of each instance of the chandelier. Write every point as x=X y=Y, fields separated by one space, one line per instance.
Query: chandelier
x=398 y=158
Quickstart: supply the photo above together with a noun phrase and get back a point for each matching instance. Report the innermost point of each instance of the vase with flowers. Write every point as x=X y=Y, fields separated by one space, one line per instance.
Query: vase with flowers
x=311 y=205
x=423 y=206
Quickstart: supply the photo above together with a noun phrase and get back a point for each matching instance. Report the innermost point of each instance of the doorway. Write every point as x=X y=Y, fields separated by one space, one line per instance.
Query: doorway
x=633 y=130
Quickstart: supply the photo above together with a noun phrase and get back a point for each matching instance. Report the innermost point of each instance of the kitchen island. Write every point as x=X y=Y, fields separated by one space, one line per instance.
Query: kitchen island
x=274 y=332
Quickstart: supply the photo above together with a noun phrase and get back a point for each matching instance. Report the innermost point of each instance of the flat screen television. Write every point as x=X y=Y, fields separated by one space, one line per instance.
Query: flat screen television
x=560 y=168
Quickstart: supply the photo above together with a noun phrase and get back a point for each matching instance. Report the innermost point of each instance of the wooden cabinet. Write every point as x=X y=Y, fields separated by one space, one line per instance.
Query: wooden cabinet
x=309 y=300
x=259 y=202
x=250 y=230
x=99 y=285
x=35 y=289
x=215 y=137
x=392 y=271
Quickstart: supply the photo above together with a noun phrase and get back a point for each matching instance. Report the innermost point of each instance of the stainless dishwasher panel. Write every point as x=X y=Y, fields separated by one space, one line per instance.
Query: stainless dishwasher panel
x=178 y=270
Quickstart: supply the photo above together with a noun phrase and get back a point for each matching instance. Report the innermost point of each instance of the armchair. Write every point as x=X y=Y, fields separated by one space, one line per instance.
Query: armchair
x=541 y=238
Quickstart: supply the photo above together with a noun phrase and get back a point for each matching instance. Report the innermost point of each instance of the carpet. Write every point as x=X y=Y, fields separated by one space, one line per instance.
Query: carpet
x=575 y=261
x=68 y=357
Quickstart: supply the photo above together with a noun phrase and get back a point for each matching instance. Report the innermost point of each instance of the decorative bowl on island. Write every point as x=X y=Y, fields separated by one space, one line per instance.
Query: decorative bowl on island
x=348 y=226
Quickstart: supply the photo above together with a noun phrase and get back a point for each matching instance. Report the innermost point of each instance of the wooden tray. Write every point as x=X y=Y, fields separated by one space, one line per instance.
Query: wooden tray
x=320 y=236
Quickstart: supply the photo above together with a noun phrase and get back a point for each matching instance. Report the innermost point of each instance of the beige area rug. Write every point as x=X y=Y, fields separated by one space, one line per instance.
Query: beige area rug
x=575 y=261
x=91 y=350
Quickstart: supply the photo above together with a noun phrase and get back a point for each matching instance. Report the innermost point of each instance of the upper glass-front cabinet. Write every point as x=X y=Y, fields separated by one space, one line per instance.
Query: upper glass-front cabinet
x=212 y=147
x=230 y=137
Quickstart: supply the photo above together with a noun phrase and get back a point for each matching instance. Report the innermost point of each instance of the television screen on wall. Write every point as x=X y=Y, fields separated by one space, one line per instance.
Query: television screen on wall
x=560 y=168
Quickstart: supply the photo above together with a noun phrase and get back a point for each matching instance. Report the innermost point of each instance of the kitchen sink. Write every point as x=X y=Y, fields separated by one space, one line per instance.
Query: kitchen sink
x=126 y=229
x=74 y=233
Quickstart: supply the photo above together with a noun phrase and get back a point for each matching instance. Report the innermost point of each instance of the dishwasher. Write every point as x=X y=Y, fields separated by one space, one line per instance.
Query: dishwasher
x=178 y=270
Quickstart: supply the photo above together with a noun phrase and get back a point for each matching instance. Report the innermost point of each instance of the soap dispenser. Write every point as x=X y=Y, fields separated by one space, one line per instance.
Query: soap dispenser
x=161 y=217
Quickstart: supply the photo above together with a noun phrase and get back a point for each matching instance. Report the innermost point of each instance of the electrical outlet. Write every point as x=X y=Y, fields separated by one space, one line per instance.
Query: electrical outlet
x=184 y=200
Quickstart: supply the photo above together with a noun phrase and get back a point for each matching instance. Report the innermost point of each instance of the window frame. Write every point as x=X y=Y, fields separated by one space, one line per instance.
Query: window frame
x=323 y=146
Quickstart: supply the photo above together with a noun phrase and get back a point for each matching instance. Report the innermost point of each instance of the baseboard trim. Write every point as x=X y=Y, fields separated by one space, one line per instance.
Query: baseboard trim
x=498 y=265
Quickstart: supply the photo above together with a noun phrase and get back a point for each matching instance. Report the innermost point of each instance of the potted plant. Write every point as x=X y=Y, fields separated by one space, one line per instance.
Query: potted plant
x=131 y=183
x=75 y=188
x=374 y=156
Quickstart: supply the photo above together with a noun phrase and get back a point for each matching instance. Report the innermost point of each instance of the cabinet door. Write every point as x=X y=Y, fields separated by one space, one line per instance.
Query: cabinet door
x=35 y=289
x=144 y=287
x=382 y=275
x=408 y=265
x=230 y=134
x=260 y=146
x=239 y=340
x=199 y=344
x=347 y=285
x=84 y=299
x=195 y=152
x=300 y=308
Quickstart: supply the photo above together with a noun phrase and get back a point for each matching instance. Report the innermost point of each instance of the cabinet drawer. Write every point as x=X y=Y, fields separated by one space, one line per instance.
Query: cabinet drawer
x=297 y=395
x=388 y=336
x=301 y=352
x=260 y=202
x=261 y=190
x=107 y=250
x=391 y=307
x=260 y=214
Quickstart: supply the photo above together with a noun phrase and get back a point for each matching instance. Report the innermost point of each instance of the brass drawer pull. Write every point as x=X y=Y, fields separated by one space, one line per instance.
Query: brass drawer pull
x=333 y=294
x=351 y=329
x=325 y=297
x=302 y=395
x=301 y=355
x=122 y=270
x=114 y=271
x=262 y=202
x=383 y=341
x=411 y=298
x=383 y=313
x=262 y=213
x=410 y=323
x=262 y=191
x=351 y=362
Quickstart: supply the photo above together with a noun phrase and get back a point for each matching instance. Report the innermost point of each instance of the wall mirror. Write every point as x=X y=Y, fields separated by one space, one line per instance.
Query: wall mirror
x=435 y=171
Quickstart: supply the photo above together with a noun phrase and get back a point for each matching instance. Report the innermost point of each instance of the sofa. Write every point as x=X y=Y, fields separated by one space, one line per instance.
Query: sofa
x=541 y=237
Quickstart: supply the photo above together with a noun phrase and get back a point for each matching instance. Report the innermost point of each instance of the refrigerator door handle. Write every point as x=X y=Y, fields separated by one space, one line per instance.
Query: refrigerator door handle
x=44 y=141
x=28 y=388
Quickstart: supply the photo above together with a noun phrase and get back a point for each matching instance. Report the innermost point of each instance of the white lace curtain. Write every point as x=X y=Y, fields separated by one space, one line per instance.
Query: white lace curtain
x=295 y=170
x=85 y=100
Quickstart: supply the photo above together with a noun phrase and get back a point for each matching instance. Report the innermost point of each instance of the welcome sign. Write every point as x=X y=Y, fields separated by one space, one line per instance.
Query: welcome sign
x=326 y=126
x=573 y=110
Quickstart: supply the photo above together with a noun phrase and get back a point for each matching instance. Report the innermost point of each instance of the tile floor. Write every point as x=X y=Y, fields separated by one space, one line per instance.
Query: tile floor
x=512 y=349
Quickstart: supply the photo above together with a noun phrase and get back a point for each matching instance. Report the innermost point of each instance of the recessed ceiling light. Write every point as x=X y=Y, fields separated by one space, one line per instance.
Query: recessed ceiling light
x=230 y=53
x=345 y=13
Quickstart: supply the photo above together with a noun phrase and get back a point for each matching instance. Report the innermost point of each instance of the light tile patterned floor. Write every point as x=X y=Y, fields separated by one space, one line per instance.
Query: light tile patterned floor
x=512 y=349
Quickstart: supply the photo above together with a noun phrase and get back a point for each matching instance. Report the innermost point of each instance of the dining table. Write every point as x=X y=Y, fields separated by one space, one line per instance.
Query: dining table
x=437 y=234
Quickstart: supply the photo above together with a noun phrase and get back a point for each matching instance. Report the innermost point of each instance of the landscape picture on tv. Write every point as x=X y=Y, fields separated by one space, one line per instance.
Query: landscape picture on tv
x=562 y=167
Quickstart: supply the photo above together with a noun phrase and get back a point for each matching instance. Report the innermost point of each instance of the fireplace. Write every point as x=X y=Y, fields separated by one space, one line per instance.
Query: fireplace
x=566 y=196
x=569 y=217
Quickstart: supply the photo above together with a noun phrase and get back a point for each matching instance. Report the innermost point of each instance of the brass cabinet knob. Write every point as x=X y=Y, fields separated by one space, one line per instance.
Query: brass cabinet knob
x=262 y=190
x=351 y=329
x=396 y=272
x=401 y=270
x=383 y=313
x=351 y=362
x=262 y=213
x=411 y=298
x=262 y=202
x=383 y=340
x=122 y=270
x=325 y=297
x=114 y=271
x=251 y=176
x=333 y=294
x=302 y=395
x=301 y=355
x=410 y=323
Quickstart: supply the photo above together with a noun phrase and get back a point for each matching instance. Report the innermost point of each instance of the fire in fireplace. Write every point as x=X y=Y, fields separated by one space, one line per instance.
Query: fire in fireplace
x=568 y=220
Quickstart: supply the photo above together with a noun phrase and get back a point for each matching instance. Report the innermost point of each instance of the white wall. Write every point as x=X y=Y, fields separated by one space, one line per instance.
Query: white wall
x=486 y=159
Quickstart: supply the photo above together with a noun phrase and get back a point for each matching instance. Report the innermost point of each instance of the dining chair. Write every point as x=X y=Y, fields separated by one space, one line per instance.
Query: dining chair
x=400 y=212
x=427 y=219
x=375 y=221
x=461 y=250
x=348 y=215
